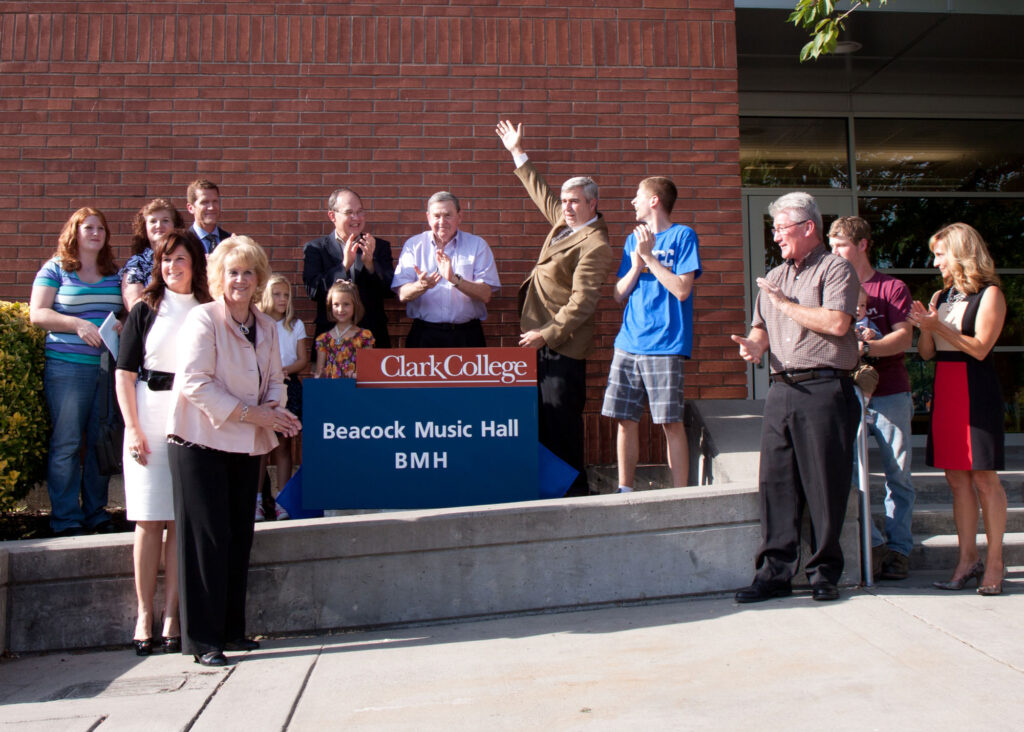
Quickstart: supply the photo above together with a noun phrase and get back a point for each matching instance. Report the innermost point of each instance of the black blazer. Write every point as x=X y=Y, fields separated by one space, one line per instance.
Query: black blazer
x=322 y=266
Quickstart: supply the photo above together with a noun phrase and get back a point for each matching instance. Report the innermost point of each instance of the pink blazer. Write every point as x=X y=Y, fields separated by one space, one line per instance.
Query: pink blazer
x=218 y=369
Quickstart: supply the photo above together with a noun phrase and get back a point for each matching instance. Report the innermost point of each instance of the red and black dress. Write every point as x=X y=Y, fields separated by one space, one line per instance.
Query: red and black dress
x=966 y=430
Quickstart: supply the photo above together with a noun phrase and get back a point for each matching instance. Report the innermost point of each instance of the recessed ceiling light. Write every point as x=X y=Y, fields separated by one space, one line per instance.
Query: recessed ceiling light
x=844 y=48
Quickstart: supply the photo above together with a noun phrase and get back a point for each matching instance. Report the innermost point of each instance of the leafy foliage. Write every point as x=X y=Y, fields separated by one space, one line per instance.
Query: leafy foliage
x=24 y=424
x=824 y=22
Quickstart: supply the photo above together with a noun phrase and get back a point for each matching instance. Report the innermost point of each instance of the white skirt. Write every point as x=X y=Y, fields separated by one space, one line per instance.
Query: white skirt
x=147 y=488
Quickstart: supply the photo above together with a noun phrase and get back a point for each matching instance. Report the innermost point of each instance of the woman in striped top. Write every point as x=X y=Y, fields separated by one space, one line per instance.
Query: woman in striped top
x=71 y=296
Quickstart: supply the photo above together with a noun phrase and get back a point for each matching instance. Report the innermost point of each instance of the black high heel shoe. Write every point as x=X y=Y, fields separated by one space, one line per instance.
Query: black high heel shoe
x=142 y=647
x=172 y=644
x=976 y=572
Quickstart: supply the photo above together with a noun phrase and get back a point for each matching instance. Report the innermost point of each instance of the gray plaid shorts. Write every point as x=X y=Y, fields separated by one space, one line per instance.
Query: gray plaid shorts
x=631 y=376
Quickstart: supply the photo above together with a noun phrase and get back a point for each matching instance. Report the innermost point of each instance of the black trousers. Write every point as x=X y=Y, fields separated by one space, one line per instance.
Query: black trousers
x=806 y=459
x=562 y=393
x=423 y=334
x=214 y=501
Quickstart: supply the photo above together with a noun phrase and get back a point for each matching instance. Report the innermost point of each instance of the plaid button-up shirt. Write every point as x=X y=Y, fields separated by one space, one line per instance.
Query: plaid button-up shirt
x=821 y=280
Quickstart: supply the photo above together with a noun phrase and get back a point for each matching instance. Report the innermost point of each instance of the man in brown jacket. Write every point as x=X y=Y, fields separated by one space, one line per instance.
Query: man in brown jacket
x=557 y=302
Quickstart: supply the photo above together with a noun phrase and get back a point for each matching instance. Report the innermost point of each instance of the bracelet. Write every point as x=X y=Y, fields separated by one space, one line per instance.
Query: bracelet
x=245 y=413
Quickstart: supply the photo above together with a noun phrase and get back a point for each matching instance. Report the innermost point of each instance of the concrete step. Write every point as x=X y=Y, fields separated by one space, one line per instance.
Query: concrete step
x=940 y=552
x=932 y=519
x=930 y=486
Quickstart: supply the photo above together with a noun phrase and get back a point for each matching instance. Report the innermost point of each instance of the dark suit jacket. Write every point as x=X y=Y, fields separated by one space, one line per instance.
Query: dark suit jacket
x=221 y=235
x=560 y=295
x=322 y=266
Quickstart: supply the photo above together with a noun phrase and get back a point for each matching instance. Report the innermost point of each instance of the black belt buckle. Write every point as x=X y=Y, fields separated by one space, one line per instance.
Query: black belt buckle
x=158 y=380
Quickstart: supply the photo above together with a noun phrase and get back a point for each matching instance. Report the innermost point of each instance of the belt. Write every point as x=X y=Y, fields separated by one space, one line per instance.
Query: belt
x=798 y=375
x=157 y=380
x=447 y=326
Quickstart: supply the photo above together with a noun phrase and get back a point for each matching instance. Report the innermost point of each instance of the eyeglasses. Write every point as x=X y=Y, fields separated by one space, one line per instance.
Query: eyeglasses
x=776 y=229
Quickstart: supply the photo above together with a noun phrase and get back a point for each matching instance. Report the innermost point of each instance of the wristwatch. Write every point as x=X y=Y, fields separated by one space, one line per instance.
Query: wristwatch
x=459 y=280
x=867 y=348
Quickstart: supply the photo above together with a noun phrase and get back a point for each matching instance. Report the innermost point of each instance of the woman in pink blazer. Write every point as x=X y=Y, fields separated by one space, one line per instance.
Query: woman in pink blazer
x=229 y=402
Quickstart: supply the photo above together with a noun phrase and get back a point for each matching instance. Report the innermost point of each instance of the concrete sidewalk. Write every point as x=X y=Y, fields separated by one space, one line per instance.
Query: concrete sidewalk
x=897 y=656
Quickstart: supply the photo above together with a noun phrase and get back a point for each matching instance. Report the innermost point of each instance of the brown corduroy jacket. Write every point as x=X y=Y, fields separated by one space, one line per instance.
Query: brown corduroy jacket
x=560 y=294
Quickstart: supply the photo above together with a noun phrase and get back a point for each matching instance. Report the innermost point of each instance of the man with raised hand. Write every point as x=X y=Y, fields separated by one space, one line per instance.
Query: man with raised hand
x=558 y=299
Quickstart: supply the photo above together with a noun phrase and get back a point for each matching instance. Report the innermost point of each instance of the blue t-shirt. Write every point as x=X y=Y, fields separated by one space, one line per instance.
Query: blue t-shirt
x=655 y=322
x=91 y=301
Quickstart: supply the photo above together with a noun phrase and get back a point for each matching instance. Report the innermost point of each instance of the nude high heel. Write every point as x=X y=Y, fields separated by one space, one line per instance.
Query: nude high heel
x=957 y=583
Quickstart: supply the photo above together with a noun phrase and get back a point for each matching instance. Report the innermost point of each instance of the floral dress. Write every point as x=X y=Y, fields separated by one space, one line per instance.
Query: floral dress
x=341 y=353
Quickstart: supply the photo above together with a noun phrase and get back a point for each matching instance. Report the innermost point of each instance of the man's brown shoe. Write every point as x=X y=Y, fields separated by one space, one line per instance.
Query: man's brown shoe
x=895 y=567
x=878 y=556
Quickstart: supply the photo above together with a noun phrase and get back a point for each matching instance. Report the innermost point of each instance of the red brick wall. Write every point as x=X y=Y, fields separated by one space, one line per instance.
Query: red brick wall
x=110 y=104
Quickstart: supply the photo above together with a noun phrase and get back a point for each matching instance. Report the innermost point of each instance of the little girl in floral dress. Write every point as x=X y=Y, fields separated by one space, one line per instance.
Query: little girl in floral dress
x=336 y=349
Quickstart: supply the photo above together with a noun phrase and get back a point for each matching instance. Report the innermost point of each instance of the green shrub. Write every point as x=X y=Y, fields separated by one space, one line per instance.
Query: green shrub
x=24 y=424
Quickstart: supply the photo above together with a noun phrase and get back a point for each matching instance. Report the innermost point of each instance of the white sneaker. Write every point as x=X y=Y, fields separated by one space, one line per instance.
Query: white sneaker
x=260 y=516
x=279 y=513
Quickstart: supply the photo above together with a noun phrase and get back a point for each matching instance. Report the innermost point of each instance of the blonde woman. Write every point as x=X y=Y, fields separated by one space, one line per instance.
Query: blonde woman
x=291 y=338
x=229 y=403
x=965 y=438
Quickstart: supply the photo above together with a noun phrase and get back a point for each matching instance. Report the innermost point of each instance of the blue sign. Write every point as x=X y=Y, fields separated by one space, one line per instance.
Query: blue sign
x=446 y=442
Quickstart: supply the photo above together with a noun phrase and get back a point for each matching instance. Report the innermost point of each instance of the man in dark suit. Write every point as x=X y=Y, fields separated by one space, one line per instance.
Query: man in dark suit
x=557 y=302
x=203 y=198
x=350 y=253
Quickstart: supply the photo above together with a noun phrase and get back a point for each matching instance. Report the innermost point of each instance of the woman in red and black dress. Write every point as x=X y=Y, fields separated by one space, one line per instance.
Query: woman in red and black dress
x=965 y=438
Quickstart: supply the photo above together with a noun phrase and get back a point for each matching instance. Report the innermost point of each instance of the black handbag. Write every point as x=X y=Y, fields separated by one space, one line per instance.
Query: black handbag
x=110 y=442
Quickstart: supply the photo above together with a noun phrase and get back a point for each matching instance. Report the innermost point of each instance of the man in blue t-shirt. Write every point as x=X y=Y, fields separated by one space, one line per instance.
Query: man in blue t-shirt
x=660 y=261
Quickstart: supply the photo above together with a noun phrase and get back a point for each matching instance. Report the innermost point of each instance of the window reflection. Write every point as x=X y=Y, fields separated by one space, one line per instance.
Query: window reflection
x=787 y=152
x=940 y=155
x=901 y=227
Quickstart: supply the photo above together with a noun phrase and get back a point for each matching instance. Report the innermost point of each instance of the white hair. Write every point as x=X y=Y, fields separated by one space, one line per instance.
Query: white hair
x=803 y=204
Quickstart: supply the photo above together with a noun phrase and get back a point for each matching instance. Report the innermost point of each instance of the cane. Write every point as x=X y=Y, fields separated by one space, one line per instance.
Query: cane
x=864 y=486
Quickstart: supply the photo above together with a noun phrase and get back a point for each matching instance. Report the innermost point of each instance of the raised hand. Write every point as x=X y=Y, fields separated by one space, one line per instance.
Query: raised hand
x=369 y=245
x=644 y=241
x=444 y=266
x=351 y=250
x=511 y=136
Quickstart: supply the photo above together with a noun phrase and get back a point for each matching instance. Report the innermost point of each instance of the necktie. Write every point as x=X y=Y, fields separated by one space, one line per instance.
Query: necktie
x=211 y=242
x=562 y=234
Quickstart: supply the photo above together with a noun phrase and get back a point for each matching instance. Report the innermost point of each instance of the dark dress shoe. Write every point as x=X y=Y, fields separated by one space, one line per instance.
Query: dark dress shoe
x=106 y=527
x=143 y=647
x=72 y=531
x=824 y=592
x=242 y=644
x=211 y=658
x=762 y=590
x=172 y=644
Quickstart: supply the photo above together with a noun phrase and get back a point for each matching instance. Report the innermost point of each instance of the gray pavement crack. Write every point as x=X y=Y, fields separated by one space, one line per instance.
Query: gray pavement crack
x=944 y=631
x=206 y=703
x=302 y=690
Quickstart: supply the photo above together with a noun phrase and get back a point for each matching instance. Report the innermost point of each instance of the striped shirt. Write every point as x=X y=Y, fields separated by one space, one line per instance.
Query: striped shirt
x=89 y=301
x=821 y=280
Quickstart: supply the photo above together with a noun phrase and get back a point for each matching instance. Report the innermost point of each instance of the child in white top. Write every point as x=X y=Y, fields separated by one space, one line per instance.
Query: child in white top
x=291 y=334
